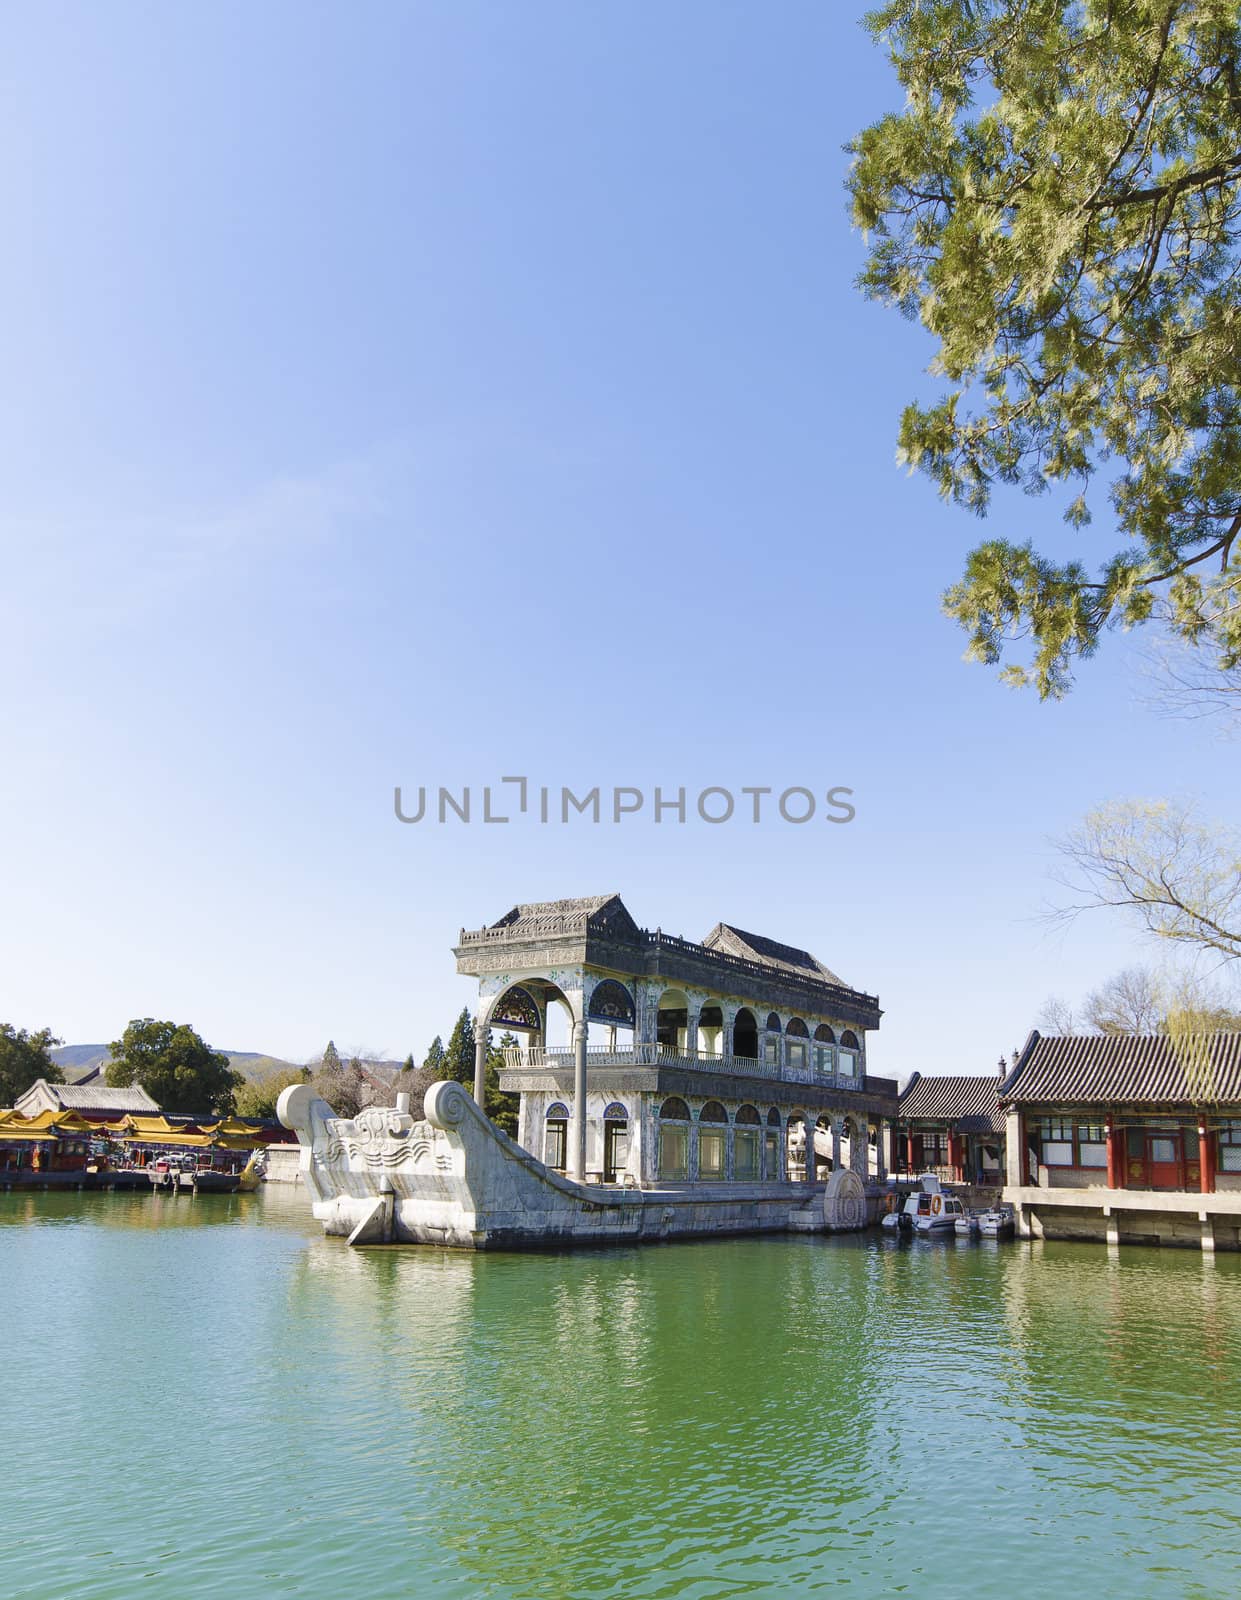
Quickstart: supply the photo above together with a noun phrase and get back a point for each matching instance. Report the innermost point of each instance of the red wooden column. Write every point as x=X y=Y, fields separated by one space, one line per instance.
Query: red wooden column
x=909 y=1151
x=1115 y=1159
x=1206 y=1159
x=952 y=1153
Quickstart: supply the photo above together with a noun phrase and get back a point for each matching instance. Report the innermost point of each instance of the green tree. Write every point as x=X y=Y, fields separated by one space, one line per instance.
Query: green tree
x=458 y=1062
x=434 y=1062
x=177 y=1069
x=330 y=1060
x=1058 y=202
x=24 y=1058
x=500 y=1107
x=258 y=1099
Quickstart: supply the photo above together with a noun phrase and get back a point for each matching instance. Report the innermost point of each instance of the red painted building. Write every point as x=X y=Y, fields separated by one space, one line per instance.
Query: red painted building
x=952 y=1126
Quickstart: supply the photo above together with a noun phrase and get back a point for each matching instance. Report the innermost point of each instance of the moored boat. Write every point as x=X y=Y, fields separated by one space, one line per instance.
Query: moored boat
x=996 y=1223
x=967 y=1225
x=941 y=1215
x=207 y=1181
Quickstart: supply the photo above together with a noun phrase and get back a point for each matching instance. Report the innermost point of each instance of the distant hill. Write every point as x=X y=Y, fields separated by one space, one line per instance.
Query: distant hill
x=76 y=1059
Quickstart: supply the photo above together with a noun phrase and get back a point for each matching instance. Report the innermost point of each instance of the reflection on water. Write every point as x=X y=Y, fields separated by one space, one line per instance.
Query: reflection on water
x=232 y=1400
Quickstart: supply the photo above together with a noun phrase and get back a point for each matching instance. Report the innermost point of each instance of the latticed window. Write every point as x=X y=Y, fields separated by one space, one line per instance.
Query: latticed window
x=1091 y=1144
x=1229 y=1137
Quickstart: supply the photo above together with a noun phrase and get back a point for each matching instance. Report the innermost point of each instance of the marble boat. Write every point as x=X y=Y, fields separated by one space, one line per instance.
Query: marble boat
x=452 y=1178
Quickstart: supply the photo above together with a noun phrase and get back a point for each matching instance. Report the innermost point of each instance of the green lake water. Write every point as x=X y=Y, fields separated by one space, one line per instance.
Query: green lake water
x=204 y=1397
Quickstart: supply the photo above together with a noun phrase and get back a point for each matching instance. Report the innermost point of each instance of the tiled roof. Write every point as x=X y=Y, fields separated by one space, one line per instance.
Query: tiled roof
x=971 y=1101
x=100 y=1097
x=757 y=947
x=538 y=912
x=1126 y=1069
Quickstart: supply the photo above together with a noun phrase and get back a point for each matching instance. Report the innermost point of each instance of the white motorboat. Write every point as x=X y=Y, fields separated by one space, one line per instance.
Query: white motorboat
x=967 y=1225
x=940 y=1216
x=927 y=1209
x=996 y=1223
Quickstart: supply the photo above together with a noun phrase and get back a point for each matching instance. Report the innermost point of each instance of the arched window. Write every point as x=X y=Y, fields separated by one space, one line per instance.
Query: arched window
x=745 y=1034
x=712 y=1142
x=674 y=1139
x=711 y=1031
x=516 y=1008
x=771 y=1044
x=848 y=1057
x=796 y=1035
x=746 y=1148
x=671 y=1022
x=611 y=1002
x=615 y=1142
x=824 y=1050
x=556 y=1136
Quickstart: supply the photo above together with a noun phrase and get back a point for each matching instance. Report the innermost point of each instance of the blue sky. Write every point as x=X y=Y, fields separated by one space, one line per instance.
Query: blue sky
x=425 y=393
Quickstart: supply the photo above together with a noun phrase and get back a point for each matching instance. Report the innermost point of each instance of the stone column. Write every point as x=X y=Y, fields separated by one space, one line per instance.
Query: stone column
x=692 y=1013
x=577 y=1127
x=1014 y=1147
x=837 y=1127
x=859 y=1149
x=480 y=1061
x=881 y=1164
x=727 y=1018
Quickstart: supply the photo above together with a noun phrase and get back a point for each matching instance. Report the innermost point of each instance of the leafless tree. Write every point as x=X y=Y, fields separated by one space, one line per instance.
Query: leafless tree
x=1155 y=859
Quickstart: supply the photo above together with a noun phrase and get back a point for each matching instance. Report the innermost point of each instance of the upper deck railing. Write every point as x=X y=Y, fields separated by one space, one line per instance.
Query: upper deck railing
x=560 y=1058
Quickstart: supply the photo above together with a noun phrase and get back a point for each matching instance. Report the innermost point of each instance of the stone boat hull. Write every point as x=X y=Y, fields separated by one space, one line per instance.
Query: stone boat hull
x=453 y=1179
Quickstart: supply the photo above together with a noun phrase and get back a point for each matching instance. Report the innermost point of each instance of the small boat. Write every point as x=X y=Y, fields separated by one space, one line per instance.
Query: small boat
x=923 y=1203
x=997 y=1223
x=940 y=1216
x=967 y=1225
x=207 y=1181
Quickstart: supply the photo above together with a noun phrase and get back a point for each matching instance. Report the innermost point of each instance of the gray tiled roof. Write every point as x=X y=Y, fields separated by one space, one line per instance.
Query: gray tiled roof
x=101 y=1097
x=1124 y=1069
x=538 y=912
x=970 y=1100
x=757 y=947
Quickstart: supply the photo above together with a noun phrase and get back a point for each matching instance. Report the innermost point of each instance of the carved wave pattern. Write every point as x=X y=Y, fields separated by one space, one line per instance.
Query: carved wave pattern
x=382 y=1140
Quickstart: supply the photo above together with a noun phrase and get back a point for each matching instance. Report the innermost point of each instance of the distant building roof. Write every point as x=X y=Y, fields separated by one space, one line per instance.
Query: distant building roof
x=756 y=947
x=81 y=1075
x=1126 y=1069
x=83 y=1098
x=970 y=1101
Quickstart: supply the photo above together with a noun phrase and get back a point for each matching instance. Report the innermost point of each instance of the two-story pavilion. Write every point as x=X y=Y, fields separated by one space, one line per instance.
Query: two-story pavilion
x=731 y=1059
